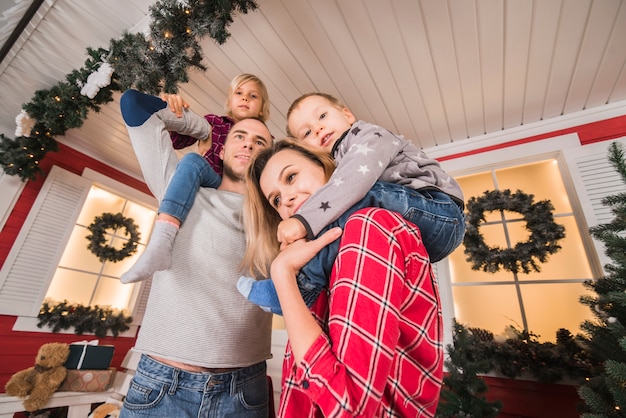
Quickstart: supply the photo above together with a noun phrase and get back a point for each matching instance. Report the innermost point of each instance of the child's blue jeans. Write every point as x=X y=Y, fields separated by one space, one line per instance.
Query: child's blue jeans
x=192 y=172
x=440 y=220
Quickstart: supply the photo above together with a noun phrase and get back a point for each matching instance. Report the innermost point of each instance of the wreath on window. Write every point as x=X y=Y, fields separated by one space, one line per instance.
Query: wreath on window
x=544 y=233
x=97 y=241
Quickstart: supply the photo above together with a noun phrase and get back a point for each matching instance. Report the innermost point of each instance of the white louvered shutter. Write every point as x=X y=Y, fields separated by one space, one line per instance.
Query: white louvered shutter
x=29 y=267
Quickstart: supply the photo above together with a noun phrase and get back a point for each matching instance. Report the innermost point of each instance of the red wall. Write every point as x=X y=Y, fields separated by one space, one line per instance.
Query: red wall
x=523 y=398
x=18 y=349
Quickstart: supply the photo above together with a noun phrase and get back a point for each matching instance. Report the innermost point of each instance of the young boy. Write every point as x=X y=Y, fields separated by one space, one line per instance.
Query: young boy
x=374 y=168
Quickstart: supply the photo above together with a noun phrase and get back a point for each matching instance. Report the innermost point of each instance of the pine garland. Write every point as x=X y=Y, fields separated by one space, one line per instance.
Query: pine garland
x=97 y=241
x=84 y=319
x=544 y=233
x=159 y=63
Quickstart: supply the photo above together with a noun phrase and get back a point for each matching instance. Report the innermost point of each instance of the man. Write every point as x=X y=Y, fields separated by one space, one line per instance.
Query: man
x=203 y=346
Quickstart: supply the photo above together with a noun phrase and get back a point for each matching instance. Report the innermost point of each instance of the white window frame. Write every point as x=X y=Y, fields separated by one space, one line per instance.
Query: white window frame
x=572 y=157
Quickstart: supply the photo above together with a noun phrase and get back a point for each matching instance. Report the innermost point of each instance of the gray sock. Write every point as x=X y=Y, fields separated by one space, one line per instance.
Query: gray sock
x=157 y=256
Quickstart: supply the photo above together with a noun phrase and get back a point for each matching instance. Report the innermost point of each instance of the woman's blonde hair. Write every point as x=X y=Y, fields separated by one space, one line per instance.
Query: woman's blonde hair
x=239 y=81
x=260 y=218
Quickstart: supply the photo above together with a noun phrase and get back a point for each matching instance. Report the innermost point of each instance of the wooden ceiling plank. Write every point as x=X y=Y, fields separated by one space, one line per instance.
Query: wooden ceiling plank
x=517 y=28
x=597 y=32
x=542 y=40
x=567 y=49
x=442 y=49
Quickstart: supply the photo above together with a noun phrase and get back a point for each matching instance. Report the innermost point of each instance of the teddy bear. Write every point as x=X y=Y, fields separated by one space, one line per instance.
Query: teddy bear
x=39 y=382
x=106 y=410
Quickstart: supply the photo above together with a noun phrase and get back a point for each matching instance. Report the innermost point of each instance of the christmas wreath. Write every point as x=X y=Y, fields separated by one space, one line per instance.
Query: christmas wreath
x=544 y=233
x=97 y=240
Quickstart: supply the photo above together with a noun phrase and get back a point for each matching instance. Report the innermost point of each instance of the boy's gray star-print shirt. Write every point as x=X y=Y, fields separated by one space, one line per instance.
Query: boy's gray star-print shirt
x=369 y=153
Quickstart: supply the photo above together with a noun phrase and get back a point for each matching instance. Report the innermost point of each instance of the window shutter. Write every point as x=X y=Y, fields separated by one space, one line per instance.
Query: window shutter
x=33 y=259
x=600 y=180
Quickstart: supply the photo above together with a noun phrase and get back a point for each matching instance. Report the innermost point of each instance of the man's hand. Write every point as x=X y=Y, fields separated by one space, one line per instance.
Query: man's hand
x=175 y=102
x=290 y=230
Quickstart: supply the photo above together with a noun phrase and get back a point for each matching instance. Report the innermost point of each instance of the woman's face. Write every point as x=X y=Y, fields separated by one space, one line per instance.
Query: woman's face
x=289 y=179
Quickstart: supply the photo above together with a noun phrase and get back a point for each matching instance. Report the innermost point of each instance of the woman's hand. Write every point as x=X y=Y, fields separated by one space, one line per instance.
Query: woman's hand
x=175 y=102
x=302 y=328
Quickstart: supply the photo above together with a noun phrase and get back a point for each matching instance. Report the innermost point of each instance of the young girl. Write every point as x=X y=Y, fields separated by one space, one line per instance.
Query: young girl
x=247 y=97
x=375 y=168
x=371 y=344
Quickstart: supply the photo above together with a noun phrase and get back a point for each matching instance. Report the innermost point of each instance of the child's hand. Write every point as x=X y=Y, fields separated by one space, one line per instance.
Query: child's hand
x=175 y=102
x=204 y=145
x=290 y=230
x=295 y=256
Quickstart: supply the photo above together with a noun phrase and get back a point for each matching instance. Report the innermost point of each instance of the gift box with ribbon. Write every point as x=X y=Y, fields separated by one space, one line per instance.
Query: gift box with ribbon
x=88 y=355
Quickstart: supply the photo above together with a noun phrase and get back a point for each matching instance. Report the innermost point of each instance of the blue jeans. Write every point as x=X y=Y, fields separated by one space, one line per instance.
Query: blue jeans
x=192 y=172
x=159 y=390
x=440 y=220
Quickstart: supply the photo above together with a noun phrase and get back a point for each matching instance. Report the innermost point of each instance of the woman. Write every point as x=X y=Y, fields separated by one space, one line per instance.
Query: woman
x=371 y=344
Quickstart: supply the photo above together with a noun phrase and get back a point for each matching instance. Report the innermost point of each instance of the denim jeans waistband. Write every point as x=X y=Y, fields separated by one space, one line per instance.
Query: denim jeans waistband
x=176 y=377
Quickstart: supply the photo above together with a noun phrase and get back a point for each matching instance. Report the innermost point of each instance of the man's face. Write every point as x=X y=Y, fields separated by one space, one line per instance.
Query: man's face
x=245 y=139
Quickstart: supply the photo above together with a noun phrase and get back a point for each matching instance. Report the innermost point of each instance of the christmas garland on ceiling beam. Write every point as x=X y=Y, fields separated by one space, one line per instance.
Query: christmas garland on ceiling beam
x=153 y=64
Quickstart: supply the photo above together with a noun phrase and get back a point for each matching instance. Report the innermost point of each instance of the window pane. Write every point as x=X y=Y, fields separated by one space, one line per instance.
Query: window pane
x=76 y=254
x=570 y=262
x=110 y=291
x=489 y=307
x=73 y=286
x=542 y=179
x=98 y=202
x=553 y=306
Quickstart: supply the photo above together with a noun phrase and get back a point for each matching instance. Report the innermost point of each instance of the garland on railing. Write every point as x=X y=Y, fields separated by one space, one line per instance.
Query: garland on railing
x=154 y=64
x=544 y=232
x=96 y=319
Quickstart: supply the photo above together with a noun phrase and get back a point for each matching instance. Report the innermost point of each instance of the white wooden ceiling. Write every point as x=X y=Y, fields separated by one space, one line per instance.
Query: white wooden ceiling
x=435 y=71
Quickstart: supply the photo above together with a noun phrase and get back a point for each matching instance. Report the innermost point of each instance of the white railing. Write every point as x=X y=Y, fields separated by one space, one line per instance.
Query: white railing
x=78 y=403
